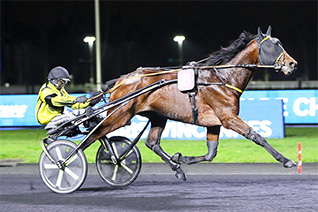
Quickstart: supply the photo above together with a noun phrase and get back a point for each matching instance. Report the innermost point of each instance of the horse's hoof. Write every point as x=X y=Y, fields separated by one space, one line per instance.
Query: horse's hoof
x=181 y=176
x=175 y=158
x=289 y=164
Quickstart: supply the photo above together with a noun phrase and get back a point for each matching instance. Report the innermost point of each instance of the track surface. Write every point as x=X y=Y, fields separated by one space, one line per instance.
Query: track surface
x=209 y=187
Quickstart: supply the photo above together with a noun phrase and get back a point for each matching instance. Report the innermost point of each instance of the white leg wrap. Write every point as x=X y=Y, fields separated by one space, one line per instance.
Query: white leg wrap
x=212 y=150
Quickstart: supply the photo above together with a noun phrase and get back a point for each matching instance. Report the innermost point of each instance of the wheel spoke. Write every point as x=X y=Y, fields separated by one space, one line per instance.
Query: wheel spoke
x=58 y=152
x=72 y=174
x=50 y=166
x=126 y=168
x=115 y=173
x=115 y=149
x=71 y=160
x=59 y=178
x=129 y=153
x=125 y=156
x=106 y=161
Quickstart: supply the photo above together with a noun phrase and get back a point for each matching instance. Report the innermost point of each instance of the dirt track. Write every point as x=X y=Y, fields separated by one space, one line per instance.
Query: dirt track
x=230 y=187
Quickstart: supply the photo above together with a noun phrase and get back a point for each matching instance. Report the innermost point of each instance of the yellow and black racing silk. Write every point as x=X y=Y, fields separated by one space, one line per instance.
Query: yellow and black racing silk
x=51 y=102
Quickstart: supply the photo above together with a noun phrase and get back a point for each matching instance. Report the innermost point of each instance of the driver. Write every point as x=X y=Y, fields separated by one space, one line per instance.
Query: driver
x=53 y=98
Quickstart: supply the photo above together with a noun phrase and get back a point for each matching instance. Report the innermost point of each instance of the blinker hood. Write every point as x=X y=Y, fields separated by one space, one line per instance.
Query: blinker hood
x=268 y=50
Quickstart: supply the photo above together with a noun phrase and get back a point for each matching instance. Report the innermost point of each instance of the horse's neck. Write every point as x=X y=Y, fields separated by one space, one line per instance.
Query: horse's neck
x=240 y=77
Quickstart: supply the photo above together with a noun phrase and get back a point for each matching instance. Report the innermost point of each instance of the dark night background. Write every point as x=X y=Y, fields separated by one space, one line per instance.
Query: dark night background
x=38 y=35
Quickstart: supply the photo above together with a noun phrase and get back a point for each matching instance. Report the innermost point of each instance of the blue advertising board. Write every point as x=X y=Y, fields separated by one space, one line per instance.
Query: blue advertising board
x=18 y=110
x=260 y=109
x=300 y=106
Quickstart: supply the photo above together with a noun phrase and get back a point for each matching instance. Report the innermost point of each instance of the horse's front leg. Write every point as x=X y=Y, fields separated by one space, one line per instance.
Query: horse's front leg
x=153 y=143
x=233 y=122
x=212 y=144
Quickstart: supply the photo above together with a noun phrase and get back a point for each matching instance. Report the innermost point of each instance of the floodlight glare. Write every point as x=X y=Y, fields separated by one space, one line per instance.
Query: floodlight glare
x=89 y=39
x=179 y=38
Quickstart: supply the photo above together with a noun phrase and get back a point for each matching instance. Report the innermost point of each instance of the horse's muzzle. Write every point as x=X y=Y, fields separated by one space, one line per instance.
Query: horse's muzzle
x=287 y=70
x=293 y=66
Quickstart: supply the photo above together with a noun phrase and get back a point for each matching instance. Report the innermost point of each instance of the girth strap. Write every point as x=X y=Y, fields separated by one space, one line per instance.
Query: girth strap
x=191 y=96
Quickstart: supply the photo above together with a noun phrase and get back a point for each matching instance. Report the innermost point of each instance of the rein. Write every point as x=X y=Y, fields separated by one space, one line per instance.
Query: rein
x=168 y=70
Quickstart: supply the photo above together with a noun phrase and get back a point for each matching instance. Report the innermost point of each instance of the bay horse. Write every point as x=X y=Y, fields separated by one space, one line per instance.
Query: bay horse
x=217 y=104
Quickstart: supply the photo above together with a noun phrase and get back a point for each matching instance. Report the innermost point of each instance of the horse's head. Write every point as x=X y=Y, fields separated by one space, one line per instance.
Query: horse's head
x=271 y=52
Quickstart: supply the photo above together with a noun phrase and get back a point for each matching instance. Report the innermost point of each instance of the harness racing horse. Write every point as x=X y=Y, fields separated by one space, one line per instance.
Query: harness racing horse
x=217 y=97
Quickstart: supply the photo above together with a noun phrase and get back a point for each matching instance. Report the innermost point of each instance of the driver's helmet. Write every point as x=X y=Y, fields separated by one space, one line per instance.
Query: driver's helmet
x=59 y=76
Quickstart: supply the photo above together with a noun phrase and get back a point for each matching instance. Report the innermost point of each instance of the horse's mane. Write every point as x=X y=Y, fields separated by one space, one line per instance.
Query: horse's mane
x=226 y=54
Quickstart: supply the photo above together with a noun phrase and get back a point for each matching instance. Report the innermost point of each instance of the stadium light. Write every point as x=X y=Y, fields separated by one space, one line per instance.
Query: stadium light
x=90 y=40
x=179 y=39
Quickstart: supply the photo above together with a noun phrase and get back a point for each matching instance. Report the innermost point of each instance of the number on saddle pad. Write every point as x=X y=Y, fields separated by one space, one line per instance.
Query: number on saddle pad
x=186 y=80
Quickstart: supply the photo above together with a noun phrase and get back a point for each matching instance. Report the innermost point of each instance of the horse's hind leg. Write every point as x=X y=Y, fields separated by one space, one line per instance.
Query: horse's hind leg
x=153 y=143
x=212 y=144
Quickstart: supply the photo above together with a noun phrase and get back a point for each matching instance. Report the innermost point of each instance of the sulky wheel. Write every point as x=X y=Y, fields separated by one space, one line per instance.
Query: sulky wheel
x=126 y=170
x=69 y=178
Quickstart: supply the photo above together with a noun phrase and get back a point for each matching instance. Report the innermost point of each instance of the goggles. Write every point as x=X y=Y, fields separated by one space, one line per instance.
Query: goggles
x=63 y=81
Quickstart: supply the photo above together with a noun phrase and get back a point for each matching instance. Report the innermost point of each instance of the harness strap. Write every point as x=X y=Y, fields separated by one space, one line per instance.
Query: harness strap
x=191 y=96
x=279 y=56
x=234 y=88
x=199 y=67
x=225 y=84
x=264 y=39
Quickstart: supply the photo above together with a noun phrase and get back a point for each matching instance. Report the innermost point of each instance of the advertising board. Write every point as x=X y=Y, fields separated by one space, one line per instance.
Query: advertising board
x=299 y=107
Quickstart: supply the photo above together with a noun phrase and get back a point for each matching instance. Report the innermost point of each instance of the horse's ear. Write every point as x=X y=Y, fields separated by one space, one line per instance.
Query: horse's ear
x=260 y=35
x=269 y=31
x=259 y=31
